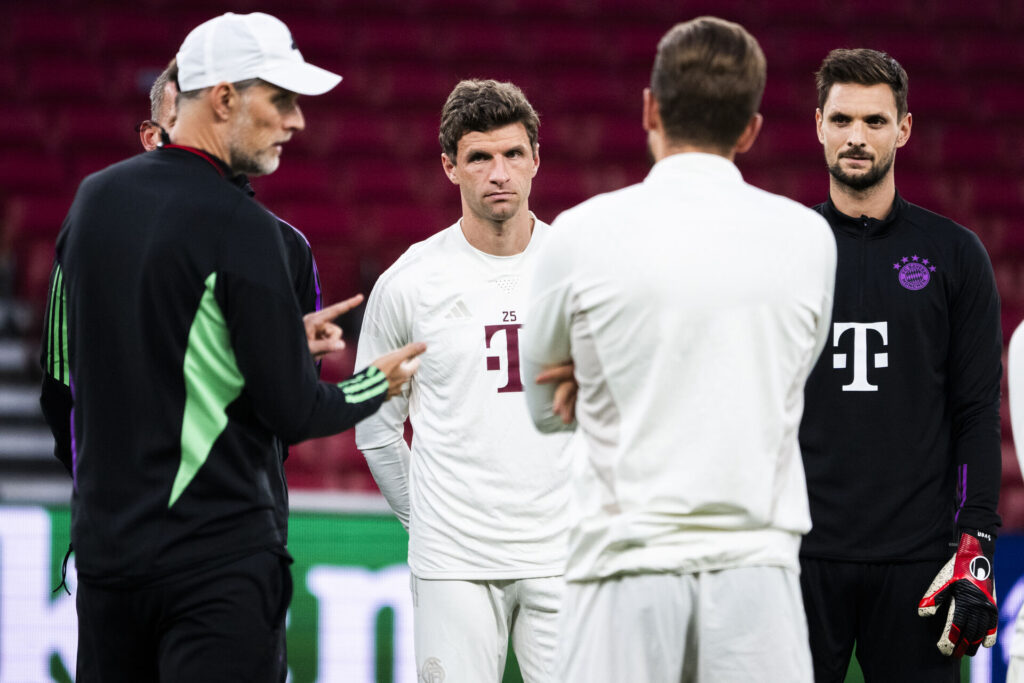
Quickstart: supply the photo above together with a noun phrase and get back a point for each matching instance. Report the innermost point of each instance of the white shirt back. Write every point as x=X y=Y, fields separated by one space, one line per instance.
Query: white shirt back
x=694 y=306
x=488 y=493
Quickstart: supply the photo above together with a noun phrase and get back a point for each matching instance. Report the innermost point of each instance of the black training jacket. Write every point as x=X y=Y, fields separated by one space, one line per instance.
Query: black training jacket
x=900 y=433
x=174 y=353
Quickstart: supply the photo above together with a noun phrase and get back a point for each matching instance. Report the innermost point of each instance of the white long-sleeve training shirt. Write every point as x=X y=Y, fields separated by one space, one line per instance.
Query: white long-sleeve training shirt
x=1015 y=386
x=487 y=492
x=694 y=306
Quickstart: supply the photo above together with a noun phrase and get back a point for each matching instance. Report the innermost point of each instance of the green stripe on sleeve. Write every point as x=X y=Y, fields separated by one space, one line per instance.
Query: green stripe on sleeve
x=57 y=329
x=63 y=334
x=212 y=382
x=365 y=385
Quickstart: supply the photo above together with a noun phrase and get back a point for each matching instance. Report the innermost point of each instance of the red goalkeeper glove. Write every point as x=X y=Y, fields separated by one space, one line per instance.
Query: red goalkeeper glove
x=966 y=584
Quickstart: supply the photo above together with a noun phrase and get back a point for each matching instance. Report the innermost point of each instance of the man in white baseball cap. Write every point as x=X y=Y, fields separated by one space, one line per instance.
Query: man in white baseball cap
x=190 y=363
x=245 y=73
x=237 y=47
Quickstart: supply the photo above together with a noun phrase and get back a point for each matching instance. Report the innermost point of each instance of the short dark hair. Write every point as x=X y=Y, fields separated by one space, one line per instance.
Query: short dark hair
x=864 y=67
x=481 y=106
x=156 y=93
x=708 y=78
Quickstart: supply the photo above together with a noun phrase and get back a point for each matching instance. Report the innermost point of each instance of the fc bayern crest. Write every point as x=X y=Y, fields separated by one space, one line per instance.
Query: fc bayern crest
x=914 y=272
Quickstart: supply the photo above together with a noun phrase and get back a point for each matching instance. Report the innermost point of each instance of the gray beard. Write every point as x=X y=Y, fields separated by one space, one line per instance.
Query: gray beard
x=863 y=182
x=240 y=163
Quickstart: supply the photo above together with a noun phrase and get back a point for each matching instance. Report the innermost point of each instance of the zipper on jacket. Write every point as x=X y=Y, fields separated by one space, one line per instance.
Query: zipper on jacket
x=864 y=222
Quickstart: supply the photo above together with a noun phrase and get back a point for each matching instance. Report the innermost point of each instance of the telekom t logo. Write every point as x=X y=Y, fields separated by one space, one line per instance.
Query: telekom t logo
x=514 y=380
x=860 y=352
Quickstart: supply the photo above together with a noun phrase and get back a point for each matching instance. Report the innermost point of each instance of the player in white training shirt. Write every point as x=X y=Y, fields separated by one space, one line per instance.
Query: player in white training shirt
x=693 y=306
x=1015 y=385
x=482 y=492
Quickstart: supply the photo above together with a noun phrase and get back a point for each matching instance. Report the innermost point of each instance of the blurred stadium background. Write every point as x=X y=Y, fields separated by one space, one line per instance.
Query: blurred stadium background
x=364 y=180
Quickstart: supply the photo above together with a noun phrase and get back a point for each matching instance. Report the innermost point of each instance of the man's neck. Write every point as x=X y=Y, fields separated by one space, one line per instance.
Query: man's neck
x=663 y=149
x=203 y=137
x=874 y=202
x=507 y=238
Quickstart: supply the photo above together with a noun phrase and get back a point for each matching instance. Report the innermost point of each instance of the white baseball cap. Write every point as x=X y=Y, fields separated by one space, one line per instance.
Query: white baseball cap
x=237 y=47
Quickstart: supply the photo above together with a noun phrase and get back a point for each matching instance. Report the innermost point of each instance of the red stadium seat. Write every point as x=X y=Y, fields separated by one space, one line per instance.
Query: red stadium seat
x=565 y=42
x=34 y=30
x=24 y=127
x=137 y=34
x=596 y=90
x=340 y=268
x=109 y=128
x=298 y=180
x=322 y=222
x=392 y=38
x=39 y=216
x=971 y=147
x=32 y=172
x=376 y=180
x=66 y=79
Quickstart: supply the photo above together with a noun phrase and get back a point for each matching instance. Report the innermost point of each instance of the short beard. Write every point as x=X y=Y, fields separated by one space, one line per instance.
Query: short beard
x=240 y=160
x=249 y=165
x=866 y=181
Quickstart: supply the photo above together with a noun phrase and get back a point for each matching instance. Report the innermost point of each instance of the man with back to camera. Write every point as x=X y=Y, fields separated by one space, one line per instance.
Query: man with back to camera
x=482 y=494
x=693 y=307
x=900 y=436
x=174 y=332
x=1015 y=389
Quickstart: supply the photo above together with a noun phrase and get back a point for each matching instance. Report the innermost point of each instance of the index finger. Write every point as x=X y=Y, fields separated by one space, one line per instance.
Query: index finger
x=334 y=310
x=412 y=349
x=559 y=373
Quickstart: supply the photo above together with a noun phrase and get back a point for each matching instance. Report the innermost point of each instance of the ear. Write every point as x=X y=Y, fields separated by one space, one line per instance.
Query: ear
x=449 y=169
x=536 y=160
x=652 y=117
x=149 y=136
x=819 y=119
x=905 y=126
x=223 y=99
x=749 y=134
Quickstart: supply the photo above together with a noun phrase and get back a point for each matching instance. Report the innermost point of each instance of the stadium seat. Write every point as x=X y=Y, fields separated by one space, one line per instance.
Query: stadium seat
x=66 y=78
x=36 y=31
x=556 y=43
x=298 y=180
x=108 y=128
x=340 y=267
x=23 y=127
x=31 y=172
x=322 y=222
x=139 y=35
x=39 y=216
x=393 y=38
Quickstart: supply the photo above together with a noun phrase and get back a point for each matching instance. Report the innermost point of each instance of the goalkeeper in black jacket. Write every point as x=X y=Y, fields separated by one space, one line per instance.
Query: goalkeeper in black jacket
x=900 y=435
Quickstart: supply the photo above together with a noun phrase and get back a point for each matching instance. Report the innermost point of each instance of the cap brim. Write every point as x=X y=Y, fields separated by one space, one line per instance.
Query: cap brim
x=302 y=78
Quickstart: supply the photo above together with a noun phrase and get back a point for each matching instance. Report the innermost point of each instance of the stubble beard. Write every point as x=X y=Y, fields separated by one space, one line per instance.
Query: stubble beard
x=864 y=181
x=242 y=158
x=245 y=162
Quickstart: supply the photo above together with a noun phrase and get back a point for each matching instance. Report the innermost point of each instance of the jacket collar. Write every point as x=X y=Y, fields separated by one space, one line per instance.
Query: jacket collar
x=240 y=180
x=862 y=225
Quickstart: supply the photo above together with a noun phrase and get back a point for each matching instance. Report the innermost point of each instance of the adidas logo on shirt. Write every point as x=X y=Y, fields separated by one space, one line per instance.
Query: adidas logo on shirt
x=459 y=312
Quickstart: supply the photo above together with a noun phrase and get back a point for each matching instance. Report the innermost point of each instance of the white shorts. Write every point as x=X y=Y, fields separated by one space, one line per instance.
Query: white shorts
x=461 y=628
x=729 y=626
